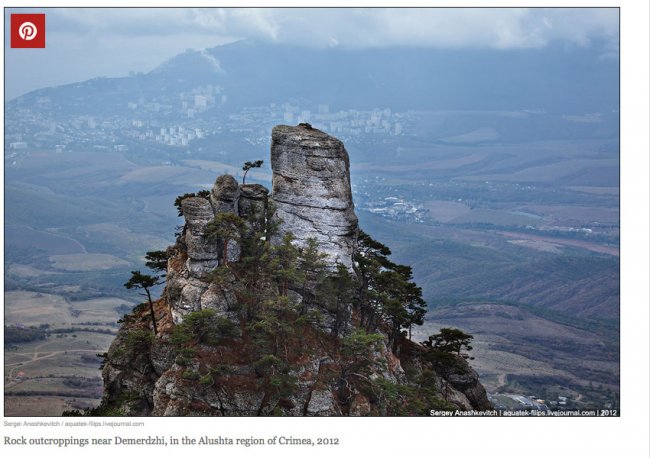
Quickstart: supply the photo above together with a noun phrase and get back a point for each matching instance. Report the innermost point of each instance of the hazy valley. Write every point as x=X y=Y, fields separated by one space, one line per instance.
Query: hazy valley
x=509 y=214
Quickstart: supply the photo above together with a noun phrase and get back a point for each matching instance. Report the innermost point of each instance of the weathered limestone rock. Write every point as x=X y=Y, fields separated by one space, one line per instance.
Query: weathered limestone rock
x=224 y=194
x=202 y=255
x=467 y=382
x=252 y=200
x=218 y=298
x=312 y=196
x=224 y=197
x=322 y=403
x=191 y=297
x=311 y=190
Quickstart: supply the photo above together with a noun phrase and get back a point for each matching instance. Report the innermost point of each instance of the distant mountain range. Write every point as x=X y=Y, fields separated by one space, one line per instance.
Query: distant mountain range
x=567 y=80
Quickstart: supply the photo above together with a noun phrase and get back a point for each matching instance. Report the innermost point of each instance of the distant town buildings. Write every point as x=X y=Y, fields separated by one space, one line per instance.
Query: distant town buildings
x=18 y=145
x=397 y=209
x=180 y=119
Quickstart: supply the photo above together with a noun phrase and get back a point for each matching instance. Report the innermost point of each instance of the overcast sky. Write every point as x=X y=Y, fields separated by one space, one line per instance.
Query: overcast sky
x=85 y=43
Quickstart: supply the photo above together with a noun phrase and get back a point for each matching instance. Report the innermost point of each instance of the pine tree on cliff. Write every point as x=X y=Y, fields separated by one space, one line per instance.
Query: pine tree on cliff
x=250 y=165
x=225 y=227
x=386 y=292
x=157 y=260
x=370 y=258
x=285 y=266
x=336 y=291
x=146 y=282
x=409 y=295
x=255 y=266
x=451 y=340
x=311 y=265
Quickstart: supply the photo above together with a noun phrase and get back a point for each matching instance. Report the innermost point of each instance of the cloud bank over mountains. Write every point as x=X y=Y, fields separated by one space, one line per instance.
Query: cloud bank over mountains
x=83 y=43
x=501 y=28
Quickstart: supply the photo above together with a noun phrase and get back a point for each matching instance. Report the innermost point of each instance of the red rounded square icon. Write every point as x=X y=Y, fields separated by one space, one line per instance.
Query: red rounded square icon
x=27 y=30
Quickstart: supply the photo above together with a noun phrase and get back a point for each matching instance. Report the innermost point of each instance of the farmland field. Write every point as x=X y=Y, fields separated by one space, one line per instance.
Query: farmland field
x=24 y=237
x=445 y=211
x=496 y=217
x=575 y=213
x=87 y=261
x=168 y=174
x=566 y=170
x=511 y=344
x=61 y=370
x=58 y=371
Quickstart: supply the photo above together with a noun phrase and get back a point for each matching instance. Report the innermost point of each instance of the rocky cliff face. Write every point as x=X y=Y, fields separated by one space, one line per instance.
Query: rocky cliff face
x=150 y=378
x=312 y=199
x=188 y=286
x=311 y=190
x=248 y=335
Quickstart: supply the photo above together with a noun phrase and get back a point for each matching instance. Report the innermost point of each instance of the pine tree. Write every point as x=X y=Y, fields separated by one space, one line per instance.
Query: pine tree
x=336 y=292
x=386 y=292
x=146 y=282
x=250 y=165
x=257 y=262
x=157 y=260
x=369 y=261
x=410 y=295
x=451 y=340
x=225 y=227
x=285 y=265
x=311 y=266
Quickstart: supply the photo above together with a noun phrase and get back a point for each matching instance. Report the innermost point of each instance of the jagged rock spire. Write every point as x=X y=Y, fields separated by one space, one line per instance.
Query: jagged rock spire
x=311 y=190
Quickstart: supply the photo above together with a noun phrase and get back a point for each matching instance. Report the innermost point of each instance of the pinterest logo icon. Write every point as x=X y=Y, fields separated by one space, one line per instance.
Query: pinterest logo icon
x=27 y=30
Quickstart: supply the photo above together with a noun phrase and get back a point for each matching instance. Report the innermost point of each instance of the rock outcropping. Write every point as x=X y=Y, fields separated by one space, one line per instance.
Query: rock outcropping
x=232 y=342
x=188 y=285
x=312 y=199
x=311 y=190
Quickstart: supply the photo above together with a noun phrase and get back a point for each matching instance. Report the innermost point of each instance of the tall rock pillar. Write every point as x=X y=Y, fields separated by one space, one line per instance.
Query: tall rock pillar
x=311 y=190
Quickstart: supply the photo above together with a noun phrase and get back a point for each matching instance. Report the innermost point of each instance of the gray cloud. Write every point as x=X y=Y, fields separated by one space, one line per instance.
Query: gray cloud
x=354 y=27
x=87 y=42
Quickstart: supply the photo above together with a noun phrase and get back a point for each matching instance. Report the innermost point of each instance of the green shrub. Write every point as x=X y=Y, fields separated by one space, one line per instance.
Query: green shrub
x=138 y=340
x=180 y=335
x=206 y=380
x=222 y=369
x=360 y=343
x=183 y=361
x=205 y=327
x=283 y=384
x=187 y=352
x=267 y=364
x=190 y=375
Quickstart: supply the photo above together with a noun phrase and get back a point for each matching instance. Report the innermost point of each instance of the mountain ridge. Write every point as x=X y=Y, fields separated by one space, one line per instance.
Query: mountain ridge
x=505 y=77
